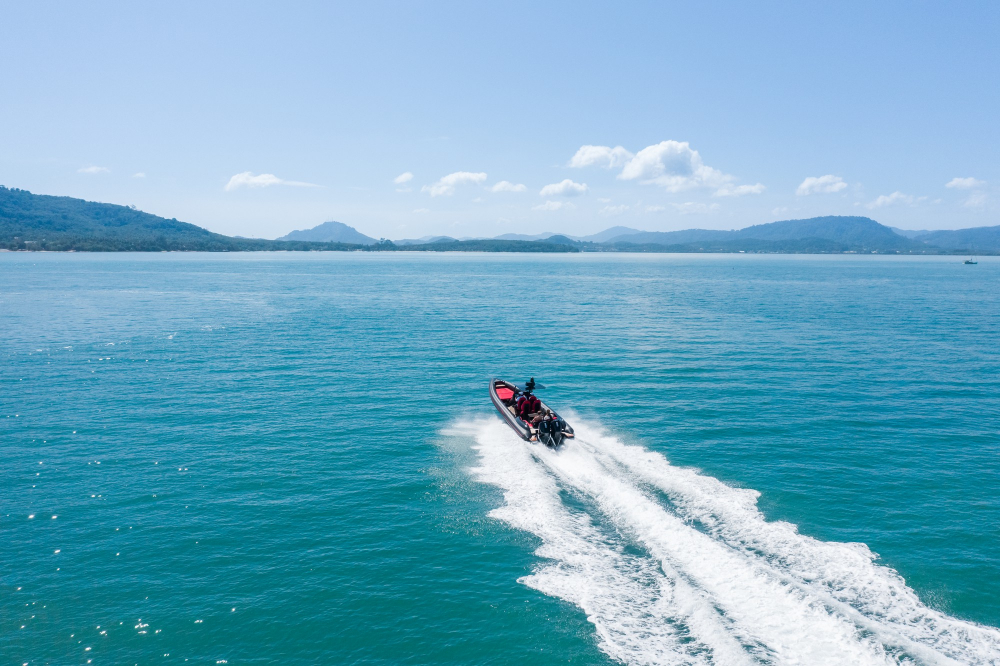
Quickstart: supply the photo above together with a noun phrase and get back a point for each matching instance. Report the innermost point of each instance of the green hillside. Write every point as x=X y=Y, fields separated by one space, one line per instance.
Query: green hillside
x=40 y=222
x=831 y=233
x=984 y=240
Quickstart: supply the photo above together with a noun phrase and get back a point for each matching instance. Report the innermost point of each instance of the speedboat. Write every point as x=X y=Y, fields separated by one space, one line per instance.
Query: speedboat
x=551 y=430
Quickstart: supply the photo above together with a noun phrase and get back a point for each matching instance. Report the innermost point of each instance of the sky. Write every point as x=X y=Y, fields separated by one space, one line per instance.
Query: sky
x=406 y=120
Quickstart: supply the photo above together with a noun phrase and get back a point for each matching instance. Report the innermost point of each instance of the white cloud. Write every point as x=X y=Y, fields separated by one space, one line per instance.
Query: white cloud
x=673 y=165
x=613 y=210
x=964 y=183
x=446 y=186
x=566 y=188
x=890 y=199
x=603 y=155
x=604 y=200
x=689 y=207
x=655 y=209
x=404 y=177
x=827 y=184
x=975 y=200
x=739 y=190
x=507 y=186
x=248 y=179
x=552 y=205
x=421 y=210
x=779 y=210
x=93 y=169
x=139 y=174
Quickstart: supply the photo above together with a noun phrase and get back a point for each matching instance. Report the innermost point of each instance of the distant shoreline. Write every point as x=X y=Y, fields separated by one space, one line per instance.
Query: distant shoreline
x=937 y=253
x=33 y=223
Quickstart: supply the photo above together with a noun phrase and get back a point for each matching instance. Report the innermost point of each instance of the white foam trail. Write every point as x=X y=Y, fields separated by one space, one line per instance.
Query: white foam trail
x=843 y=574
x=716 y=583
x=641 y=616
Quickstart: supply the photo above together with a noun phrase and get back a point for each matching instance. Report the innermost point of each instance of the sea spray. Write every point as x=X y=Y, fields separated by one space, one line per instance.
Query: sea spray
x=876 y=596
x=641 y=615
x=674 y=567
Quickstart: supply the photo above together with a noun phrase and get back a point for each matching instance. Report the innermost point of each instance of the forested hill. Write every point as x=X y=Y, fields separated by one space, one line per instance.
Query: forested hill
x=818 y=234
x=40 y=222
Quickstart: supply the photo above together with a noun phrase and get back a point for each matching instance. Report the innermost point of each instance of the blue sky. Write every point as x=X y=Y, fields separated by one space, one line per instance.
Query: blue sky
x=259 y=118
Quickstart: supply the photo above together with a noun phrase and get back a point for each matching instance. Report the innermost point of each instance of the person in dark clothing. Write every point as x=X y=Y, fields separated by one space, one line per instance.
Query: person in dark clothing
x=530 y=407
x=540 y=416
x=519 y=405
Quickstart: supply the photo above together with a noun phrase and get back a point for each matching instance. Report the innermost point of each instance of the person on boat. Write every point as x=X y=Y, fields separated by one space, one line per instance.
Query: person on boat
x=541 y=416
x=529 y=407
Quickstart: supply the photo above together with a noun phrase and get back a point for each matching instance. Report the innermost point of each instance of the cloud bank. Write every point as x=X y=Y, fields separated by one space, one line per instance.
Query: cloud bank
x=507 y=186
x=891 y=199
x=672 y=165
x=248 y=179
x=964 y=183
x=446 y=186
x=566 y=188
x=552 y=205
x=601 y=155
x=93 y=169
x=827 y=184
x=739 y=190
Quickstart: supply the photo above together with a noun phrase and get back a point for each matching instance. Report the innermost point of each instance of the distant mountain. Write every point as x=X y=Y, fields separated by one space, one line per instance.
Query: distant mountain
x=41 y=222
x=863 y=232
x=559 y=239
x=910 y=233
x=524 y=237
x=850 y=233
x=795 y=246
x=490 y=245
x=330 y=232
x=977 y=239
x=424 y=241
x=608 y=234
x=671 y=237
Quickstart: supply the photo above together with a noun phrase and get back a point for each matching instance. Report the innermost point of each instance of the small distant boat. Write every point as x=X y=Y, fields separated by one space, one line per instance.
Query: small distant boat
x=551 y=430
x=971 y=260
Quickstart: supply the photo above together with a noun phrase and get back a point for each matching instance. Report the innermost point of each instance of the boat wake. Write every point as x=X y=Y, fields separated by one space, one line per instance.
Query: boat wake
x=674 y=567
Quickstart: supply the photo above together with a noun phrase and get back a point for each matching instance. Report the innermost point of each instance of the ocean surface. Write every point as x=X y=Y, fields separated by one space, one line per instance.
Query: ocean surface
x=292 y=458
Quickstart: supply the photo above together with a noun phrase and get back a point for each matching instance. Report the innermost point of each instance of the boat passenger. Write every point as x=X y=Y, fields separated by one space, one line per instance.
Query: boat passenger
x=530 y=407
x=537 y=412
x=544 y=415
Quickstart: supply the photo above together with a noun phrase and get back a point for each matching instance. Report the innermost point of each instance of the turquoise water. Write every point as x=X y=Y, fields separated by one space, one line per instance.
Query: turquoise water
x=292 y=458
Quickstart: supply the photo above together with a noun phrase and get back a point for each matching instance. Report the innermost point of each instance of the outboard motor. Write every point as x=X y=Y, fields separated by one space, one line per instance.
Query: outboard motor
x=550 y=432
